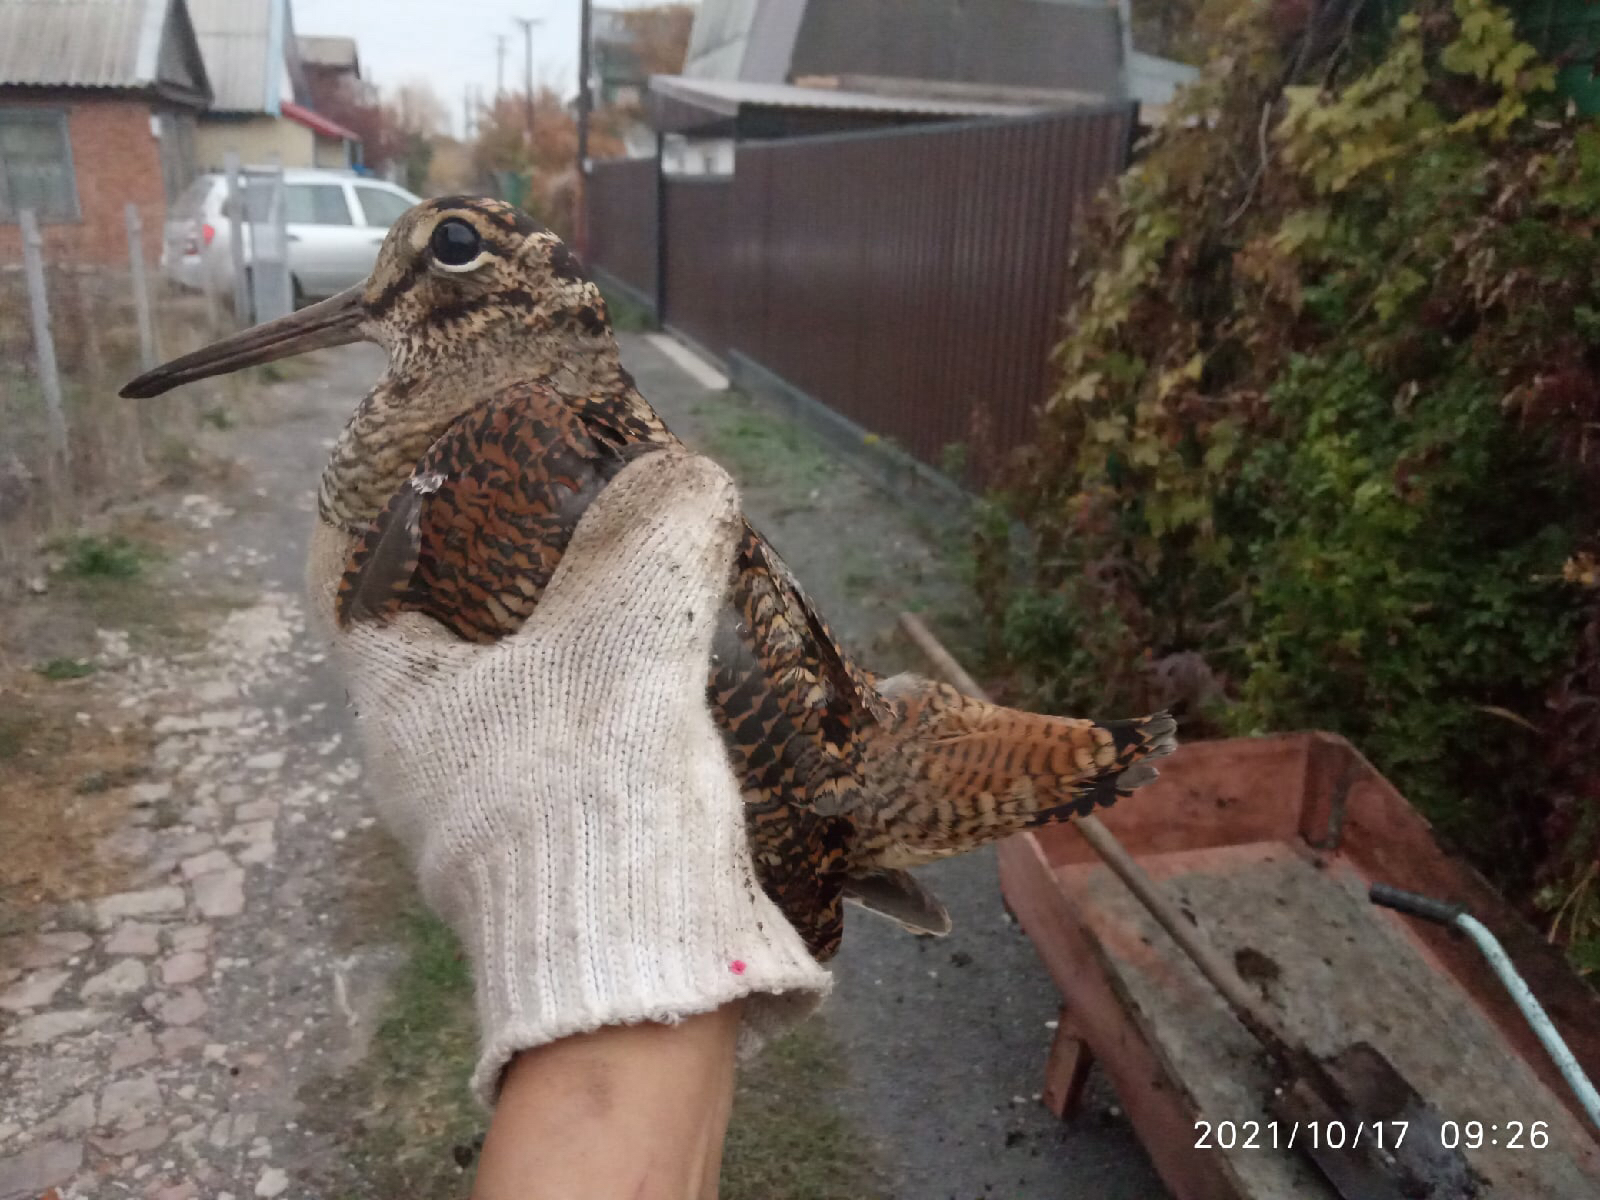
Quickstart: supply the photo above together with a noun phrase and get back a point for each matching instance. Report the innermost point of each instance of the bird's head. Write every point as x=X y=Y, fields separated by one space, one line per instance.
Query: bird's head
x=467 y=293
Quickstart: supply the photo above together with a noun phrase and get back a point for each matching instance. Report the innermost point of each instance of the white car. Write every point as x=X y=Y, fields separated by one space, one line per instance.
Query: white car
x=336 y=220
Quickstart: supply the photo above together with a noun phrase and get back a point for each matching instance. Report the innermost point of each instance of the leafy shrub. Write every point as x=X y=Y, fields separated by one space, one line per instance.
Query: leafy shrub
x=1323 y=454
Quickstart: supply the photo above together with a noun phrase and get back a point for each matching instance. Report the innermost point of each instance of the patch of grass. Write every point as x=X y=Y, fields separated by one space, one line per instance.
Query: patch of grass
x=117 y=580
x=148 y=612
x=178 y=459
x=627 y=315
x=788 y=1140
x=15 y=731
x=53 y=830
x=109 y=582
x=429 y=1018
x=404 y=1114
x=766 y=450
x=859 y=584
x=953 y=460
x=182 y=463
x=861 y=573
x=58 y=669
x=91 y=556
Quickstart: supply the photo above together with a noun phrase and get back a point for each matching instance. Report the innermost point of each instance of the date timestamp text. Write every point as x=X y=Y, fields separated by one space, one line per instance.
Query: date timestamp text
x=1386 y=1135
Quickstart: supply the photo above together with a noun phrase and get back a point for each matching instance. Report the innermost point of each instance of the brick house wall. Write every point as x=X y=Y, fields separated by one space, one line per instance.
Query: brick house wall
x=116 y=157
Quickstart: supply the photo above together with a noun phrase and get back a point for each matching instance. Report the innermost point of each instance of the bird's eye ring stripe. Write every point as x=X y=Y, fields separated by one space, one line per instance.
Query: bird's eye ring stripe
x=462 y=268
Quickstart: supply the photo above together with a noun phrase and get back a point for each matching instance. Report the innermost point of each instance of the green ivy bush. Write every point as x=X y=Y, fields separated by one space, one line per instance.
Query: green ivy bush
x=1326 y=448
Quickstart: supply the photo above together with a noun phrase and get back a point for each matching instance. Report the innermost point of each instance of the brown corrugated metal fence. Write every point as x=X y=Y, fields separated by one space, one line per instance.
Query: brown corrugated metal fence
x=700 y=288
x=622 y=221
x=911 y=280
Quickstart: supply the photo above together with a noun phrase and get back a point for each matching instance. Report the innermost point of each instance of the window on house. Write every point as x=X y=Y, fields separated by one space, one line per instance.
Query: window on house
x=36 y=165
x=382 y=207
x=316 y=204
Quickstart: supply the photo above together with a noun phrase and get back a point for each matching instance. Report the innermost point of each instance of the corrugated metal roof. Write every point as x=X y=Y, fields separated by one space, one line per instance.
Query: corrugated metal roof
x=236 y=41
x=81 y=43
x=1017 y=43
x=727 y=95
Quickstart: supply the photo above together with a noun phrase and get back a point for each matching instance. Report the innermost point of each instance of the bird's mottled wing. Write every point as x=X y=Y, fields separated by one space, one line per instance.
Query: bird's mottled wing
x=487 y=515
x=791 y=730
x=386 y=559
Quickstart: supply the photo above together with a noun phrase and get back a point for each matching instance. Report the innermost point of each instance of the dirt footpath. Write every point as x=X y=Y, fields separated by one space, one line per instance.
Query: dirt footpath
x=153 y=1037
x=185 y=998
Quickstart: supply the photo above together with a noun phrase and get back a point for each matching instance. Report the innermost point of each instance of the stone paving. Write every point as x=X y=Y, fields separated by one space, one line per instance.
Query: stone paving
x=152 y=1041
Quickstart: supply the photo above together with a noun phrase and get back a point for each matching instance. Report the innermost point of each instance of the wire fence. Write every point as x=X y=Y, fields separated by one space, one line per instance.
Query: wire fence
x=71 y=333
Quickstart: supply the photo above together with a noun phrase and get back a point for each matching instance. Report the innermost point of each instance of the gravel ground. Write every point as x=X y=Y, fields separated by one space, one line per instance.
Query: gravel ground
x=155 y=1040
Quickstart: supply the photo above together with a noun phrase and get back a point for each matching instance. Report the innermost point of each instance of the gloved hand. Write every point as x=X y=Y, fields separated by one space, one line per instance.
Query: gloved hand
x=565 y=795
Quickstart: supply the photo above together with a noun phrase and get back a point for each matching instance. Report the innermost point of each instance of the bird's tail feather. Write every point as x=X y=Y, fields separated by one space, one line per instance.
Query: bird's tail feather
x=949 y=773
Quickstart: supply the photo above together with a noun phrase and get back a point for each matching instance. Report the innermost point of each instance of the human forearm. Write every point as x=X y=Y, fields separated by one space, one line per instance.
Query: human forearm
x=629 y=1112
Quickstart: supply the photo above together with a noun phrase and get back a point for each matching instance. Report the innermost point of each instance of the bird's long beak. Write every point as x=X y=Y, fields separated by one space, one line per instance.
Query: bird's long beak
x=333 y=322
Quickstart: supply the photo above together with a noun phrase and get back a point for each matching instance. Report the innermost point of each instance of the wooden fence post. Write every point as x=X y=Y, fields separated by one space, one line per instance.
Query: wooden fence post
x=149 y=354
x=44 y=346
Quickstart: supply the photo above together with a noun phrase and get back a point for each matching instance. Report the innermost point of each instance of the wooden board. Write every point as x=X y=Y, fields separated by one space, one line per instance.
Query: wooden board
x=1333 y=971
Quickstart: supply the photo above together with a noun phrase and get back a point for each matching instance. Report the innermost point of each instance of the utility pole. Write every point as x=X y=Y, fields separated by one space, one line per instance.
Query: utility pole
x=466 y=113
x=499 y=66
x=527 y=24
x=585 y=102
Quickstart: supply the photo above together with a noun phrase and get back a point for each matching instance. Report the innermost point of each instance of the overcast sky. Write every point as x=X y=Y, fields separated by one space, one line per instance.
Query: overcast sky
x=452 y=44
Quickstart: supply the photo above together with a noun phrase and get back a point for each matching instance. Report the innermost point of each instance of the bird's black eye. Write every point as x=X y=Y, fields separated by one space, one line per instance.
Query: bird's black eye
x=455 y=243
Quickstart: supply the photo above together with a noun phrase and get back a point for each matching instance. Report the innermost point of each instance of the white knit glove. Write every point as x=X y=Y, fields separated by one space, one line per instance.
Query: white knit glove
x=566 y=797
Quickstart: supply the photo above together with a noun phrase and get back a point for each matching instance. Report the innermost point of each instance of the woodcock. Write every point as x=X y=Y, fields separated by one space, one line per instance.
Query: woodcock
x=455 y=487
